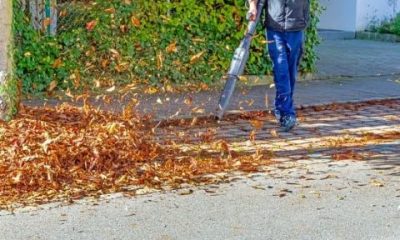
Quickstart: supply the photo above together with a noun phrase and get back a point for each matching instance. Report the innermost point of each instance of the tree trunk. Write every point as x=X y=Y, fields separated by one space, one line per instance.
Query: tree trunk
x=8 y=87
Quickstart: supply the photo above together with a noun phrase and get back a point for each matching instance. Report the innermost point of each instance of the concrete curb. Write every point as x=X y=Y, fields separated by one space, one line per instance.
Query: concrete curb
x=267 y=110
x=266 y=80
x=378 y=37
x=325 y=34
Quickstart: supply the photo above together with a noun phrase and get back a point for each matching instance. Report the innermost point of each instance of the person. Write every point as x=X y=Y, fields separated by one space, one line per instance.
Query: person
x=285 y=22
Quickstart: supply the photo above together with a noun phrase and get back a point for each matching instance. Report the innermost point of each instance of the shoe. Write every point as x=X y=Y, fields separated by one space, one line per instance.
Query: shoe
x=288 y=122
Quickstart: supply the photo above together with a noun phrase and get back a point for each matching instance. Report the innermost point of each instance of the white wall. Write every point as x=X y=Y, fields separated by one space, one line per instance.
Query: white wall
x=374 y=11
x=339 y=15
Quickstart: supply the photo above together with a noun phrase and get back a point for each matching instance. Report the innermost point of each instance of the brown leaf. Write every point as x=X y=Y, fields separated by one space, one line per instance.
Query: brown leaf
x=188 y=101
x=57 y=63
x=46 y=22
x=135 y=21
x=91 y=25
x=257 y=124
x=171 y=48
x=110 y=10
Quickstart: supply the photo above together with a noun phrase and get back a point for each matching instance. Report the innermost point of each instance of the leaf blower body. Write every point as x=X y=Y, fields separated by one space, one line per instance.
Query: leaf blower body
x=238 y=63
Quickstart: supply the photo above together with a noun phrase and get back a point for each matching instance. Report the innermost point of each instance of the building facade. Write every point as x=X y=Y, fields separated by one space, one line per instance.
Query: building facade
x=356 y=15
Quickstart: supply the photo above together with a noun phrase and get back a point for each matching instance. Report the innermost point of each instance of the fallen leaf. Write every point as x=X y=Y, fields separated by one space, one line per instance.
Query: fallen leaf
x=376 y=183
x=257 y=124
x=110 y=10
x=198 y=110
x=160 y=60
x=188 y=101
x=135 y=21
x=46 y=22
x=111 y=89
x=274 y=133
x=185 y=192
x=196 y=57
x=52 y=86
x=171 y=48
x=91 y=25
x=57 y=63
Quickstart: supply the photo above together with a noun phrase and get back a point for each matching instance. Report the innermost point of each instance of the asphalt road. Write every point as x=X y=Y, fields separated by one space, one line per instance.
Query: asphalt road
x=309 y=199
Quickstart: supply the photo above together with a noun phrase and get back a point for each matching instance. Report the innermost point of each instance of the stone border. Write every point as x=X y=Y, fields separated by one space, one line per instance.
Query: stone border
x=255 y=80
x=378 y=37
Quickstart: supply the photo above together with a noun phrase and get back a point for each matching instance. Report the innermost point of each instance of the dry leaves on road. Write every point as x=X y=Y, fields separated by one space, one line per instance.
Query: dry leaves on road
x=69 y=152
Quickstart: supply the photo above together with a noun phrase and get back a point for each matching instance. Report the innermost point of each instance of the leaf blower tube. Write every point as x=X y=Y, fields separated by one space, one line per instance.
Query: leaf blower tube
x=238 y=63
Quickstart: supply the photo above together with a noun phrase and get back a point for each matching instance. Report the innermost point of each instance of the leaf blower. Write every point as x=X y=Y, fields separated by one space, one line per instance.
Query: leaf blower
x=238 y=62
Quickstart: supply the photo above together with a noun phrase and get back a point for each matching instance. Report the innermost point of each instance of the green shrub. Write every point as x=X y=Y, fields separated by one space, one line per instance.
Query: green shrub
x=121 y=41
x=392 y=26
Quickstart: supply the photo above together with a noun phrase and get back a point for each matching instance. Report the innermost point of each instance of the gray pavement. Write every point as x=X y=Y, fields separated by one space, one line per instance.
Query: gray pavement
x=344 y=206
x=353 y=58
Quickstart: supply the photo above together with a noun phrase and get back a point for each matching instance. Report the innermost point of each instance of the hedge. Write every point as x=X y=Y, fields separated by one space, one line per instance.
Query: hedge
x=104 y=42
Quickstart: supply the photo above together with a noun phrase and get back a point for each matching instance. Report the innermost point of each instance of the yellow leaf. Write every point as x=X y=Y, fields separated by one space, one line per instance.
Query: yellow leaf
x=111 y=89
x=198 y=110
x=377 y=183
x=151 y=90
x=76 y=78
x=196 y=57
x=52 y=86
x=17 y=178
x=69 y=94
x=115 y=53
x=160 y=60
x=274 y=133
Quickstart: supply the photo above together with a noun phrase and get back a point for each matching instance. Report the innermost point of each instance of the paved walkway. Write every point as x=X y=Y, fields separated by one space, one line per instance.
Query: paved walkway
x=357 y=58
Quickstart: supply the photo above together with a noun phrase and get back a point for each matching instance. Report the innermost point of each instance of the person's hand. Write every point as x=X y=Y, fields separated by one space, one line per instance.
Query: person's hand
x=252 y=13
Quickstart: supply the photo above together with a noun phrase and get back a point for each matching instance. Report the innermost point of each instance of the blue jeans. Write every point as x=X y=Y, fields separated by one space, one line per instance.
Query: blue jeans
x=285 y=50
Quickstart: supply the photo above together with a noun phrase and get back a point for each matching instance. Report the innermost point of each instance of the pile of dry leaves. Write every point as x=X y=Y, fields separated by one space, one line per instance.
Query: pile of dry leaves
x=69 y=152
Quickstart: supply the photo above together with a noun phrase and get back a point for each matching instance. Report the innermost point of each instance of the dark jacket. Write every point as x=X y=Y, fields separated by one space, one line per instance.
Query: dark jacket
x=287 y=15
